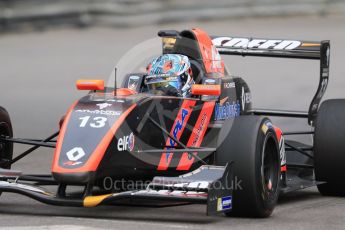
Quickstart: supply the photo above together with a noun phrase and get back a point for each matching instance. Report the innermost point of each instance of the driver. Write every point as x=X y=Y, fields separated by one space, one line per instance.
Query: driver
x=170 y=74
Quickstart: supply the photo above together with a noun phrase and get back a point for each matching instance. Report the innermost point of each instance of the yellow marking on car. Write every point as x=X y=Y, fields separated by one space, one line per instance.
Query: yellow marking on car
x=311 y=44
x=92 y=201
x=222 y=101
x=264 y=128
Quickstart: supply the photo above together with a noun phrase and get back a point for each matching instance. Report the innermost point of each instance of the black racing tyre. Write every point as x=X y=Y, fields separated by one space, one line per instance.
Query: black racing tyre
x=253 y=148
x=329 y=147
x=6 y=149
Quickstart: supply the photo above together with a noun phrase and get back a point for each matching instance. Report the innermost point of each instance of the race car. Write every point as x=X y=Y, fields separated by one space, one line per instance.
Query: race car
x=211 y=147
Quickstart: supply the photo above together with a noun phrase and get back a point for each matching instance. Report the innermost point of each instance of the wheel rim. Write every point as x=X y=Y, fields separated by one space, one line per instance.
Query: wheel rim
x=269 y=169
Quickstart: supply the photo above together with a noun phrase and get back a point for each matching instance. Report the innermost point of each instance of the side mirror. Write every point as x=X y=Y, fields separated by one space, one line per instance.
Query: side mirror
x=208 y=90
x=84 y=84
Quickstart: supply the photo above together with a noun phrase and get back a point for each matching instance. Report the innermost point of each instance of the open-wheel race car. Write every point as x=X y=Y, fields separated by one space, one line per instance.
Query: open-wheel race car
x=210 y=147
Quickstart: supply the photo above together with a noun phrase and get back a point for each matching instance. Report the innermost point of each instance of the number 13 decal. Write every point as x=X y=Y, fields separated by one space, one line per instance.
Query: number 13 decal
x=98 y=122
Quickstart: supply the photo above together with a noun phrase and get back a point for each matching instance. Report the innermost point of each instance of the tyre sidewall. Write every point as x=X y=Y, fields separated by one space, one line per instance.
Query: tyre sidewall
x=6 y=129
x=266 y=204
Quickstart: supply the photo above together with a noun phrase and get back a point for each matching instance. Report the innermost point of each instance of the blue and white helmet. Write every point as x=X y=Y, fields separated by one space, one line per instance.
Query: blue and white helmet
x=170 y=71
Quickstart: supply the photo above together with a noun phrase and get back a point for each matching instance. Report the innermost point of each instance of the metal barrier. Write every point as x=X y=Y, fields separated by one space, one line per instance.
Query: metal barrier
x=38 y=14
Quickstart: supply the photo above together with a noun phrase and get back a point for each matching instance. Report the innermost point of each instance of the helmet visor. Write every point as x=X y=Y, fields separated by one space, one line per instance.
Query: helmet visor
x=157 y=82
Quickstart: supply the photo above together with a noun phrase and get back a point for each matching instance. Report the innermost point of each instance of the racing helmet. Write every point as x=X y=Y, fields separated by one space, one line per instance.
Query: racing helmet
x=170 y=74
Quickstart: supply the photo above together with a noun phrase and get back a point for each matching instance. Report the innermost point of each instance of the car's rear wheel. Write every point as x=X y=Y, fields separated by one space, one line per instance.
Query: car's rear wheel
x=329 y=147
x=252 y=145
x=6 y=149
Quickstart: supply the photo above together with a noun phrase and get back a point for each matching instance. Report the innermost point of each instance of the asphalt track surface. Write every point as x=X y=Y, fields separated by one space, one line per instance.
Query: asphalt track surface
x=37 y=75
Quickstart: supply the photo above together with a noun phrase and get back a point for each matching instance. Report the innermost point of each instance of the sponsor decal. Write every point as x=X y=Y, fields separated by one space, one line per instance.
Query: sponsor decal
x=178 y=126
x=246 y=98
x=212 y=59
x=126 y=143
x=224 y=203
x=72 y=163
x=198 y=133
x=327 y=56
x=281 y=141
x=267 y=125
x=246 y=43
x=116 y=100
x=74 y=155
x=101 y=112
x=216 y=59
x=222 y=101
x=282 y=151
x=103 y=105
x=228 y=85
x=168 y=43
x=210 y=82
x=176 y=130
x=227 y=110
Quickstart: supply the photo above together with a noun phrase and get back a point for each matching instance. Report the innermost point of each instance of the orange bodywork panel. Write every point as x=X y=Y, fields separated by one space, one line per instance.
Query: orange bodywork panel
x=125 y=92
x=211 y=58
x=85 y=84
x=95 y=159
x=206 y=90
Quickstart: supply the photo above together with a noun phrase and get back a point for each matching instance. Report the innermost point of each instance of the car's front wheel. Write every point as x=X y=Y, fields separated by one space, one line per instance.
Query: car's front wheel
x=6 y=149
x=252 y=146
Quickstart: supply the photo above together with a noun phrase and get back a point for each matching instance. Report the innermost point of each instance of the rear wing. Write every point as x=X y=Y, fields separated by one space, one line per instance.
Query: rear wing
x=280 y=48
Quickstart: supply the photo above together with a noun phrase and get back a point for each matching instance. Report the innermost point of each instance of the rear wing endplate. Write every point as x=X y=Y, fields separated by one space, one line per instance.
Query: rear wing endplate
x=281 y=48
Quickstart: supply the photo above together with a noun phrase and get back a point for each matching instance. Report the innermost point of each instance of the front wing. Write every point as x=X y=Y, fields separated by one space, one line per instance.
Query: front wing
x=210 y=185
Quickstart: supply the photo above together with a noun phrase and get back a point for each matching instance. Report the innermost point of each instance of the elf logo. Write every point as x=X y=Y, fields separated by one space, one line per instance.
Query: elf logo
x=256 y=43
x=126 y=143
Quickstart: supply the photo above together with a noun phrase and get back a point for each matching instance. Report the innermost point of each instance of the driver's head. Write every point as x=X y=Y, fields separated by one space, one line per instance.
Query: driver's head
x=170 y=74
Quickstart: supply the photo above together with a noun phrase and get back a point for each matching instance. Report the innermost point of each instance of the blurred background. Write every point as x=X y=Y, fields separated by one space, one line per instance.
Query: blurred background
x=43 y=14
x=46 y=45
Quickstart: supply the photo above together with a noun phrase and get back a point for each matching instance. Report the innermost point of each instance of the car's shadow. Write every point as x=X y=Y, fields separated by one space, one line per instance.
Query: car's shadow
x=299 y=195
x=191 y=214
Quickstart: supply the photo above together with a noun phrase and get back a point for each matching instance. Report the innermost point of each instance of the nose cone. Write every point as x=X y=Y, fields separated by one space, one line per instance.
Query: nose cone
x=85 y=135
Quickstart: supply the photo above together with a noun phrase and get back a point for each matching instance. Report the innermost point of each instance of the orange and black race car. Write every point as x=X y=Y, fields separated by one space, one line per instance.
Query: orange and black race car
x=211 y=148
